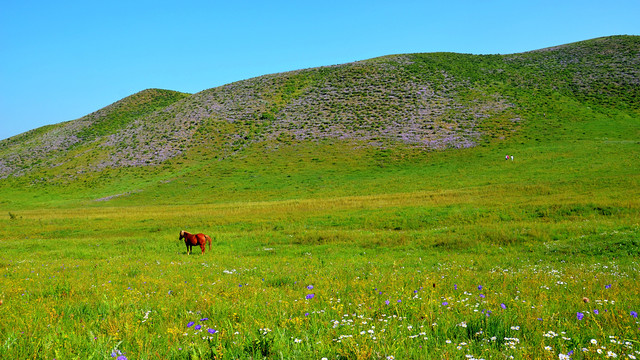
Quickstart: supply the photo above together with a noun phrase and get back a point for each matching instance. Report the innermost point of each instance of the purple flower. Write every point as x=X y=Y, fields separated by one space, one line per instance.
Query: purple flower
x=309 y=296
x=502 y=305
x=204 y=319
x=310 y=287
x=399 y=300
x=579 y=315
x=387 y=302
x=608 y=286
x=445 y=303
x=306 y=314
x=596 y=311
x=121 y=357
x=479 y=287
x=211 y=331
x=190 y=324
x=198 y=327
x=634 y=314
x=455 y=286
x=482 y=296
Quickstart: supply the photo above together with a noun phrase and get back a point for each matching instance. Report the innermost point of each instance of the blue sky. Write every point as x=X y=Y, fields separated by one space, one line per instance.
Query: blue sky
x=60 y=60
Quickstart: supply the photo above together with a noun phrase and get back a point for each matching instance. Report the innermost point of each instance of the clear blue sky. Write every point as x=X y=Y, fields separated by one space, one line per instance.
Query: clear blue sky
x=60 y=60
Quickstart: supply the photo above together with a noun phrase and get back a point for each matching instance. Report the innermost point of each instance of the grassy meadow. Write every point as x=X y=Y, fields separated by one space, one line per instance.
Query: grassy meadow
x=334 y=236
x=346 y=252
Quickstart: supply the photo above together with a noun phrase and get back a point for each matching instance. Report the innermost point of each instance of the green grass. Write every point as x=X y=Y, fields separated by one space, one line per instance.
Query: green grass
x=84 y=282
x=411 y=253
x=419 y=230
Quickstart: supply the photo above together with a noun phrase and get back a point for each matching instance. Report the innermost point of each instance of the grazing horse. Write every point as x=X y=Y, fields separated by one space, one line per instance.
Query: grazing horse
x=191 y=240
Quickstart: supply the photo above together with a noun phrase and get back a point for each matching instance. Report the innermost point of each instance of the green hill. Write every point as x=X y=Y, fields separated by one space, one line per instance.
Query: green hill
x=397 y=123
x=358 y=211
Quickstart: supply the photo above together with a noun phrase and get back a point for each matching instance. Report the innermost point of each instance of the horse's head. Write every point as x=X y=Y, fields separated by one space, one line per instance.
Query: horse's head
x=181 y=235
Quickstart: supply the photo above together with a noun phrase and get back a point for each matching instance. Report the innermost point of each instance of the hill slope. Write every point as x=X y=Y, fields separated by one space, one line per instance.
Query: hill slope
x=397 y=104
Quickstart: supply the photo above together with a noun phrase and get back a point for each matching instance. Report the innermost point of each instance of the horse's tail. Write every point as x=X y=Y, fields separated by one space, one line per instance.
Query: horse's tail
x=208 y=238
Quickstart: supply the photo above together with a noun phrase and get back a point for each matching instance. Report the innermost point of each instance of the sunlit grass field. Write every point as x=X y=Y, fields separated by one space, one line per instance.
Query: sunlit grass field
x=337 y=250
x=316 y=279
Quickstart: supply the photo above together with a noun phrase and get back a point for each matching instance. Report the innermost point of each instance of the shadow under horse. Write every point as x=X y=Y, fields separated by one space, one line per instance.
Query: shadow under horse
x=191 y=240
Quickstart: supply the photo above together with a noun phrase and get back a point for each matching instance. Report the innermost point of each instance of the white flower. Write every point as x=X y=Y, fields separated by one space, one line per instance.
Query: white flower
x=297 y=341
x=594 y=341
x=548 y=348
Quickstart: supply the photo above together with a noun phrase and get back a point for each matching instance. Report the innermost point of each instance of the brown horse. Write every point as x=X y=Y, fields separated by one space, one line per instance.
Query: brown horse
x=191 y=240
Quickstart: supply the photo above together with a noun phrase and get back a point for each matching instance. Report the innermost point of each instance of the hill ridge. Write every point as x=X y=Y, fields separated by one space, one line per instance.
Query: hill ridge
x=424 y=100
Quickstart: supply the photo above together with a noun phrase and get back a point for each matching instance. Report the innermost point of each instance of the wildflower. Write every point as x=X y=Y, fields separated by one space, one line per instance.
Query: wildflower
x=190 y=324
x=594 y=341
x=482 y=296
x=502 y=305
x=479 y=287
x=634 y=314
x=579 y=315
x=309 y=296
x=455 y=286
x=548 y=348
x=297 y=341
x=310 y=287
x=211 y=331
x=198 y=327
x=445 y=303
x=204 y=319
x=596 y=311
x=607 y=286
x=387 y=302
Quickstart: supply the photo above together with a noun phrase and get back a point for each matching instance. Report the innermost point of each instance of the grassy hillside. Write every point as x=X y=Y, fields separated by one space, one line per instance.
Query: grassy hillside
x=280 y=136
x=359 y=211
